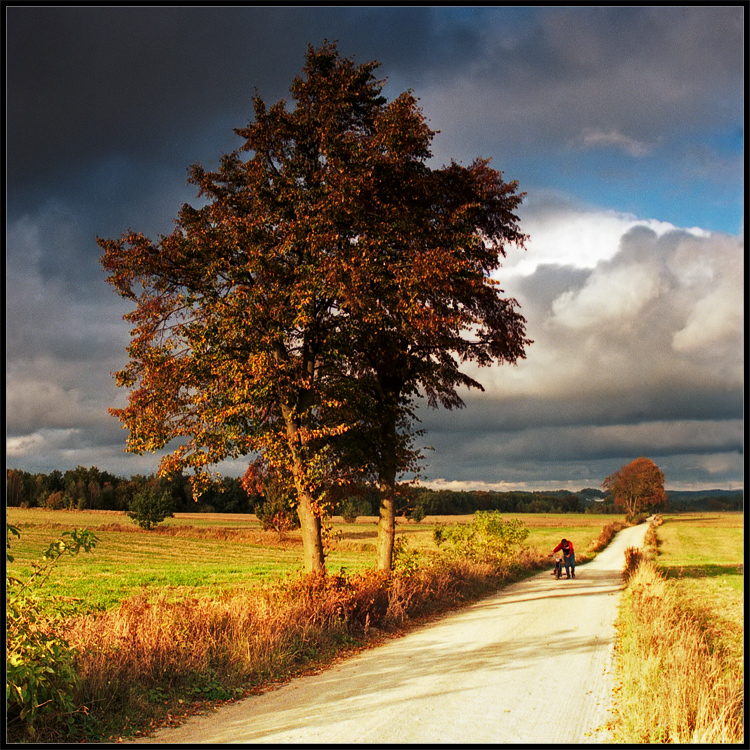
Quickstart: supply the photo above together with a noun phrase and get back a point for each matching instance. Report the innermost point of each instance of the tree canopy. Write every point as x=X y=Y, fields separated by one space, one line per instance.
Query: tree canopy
x=329 y=279
x=637 y=486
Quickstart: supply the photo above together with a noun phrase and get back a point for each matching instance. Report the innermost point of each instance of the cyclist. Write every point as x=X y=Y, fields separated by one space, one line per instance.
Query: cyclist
x=569 y=557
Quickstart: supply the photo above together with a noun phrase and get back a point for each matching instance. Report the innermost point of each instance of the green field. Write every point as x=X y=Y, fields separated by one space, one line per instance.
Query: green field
x=205 y=554
x=703 y=554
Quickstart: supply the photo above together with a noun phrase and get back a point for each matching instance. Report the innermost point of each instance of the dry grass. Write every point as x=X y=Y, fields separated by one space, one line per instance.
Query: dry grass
x=676 y=683
x=151 y=659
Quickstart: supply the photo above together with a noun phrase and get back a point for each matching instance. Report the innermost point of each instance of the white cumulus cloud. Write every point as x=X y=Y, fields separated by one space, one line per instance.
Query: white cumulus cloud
x=608 y=296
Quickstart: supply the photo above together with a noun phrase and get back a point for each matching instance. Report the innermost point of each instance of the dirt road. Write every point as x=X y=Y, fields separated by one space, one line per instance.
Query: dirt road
x=531 y=664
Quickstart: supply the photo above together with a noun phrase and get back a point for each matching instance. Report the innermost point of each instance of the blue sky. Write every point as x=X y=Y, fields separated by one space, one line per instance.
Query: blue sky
x=623 y=125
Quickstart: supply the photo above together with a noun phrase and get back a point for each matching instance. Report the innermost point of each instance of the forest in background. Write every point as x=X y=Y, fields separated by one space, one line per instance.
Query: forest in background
x=92 y=489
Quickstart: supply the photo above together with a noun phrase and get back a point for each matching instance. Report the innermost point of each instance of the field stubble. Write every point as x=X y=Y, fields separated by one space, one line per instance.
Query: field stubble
x=681 y=655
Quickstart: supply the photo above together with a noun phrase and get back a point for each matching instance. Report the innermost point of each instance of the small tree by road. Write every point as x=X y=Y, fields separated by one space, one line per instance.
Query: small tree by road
x=637 y=486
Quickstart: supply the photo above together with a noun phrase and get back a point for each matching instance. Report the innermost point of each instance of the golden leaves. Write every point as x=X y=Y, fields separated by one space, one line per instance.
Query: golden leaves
x=328 y=268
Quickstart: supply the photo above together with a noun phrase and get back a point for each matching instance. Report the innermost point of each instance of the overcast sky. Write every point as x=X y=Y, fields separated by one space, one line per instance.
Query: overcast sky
x=624 y=126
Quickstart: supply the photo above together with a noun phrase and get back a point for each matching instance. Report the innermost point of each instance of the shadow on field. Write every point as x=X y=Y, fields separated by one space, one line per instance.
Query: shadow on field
x=704 y=517
x=360 y=534
x=702 y=571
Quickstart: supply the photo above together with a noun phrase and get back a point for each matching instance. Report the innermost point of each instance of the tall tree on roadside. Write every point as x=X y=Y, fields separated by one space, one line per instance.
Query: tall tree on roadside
x=437 y=235
x=330 y=278
x=234 y=349
x=637 y=486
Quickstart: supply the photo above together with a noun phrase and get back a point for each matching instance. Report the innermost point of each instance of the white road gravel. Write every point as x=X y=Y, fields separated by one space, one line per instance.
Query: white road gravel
x=530 y=664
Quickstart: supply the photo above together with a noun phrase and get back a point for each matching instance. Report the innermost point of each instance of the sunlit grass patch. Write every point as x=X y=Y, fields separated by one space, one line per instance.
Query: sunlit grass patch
x=703 y=554
x=681 y=651
x=209 y=553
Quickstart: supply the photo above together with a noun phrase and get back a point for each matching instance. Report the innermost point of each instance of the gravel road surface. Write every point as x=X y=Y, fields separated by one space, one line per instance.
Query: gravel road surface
x=530 y=664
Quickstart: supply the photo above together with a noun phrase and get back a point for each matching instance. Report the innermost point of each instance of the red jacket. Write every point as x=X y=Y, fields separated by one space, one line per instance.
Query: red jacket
x=559 y=547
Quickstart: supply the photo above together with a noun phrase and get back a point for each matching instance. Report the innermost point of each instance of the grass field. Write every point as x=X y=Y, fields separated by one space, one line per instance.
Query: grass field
x=681 y=645
x=703 y=553
x=199 y=554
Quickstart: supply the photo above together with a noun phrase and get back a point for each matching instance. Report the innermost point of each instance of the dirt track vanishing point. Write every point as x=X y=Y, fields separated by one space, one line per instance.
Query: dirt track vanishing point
x=530 y=664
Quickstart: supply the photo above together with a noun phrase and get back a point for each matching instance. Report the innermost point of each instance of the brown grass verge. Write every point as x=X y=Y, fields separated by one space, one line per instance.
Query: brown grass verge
x=606 y=536
x=148 y=662
x=676 y=684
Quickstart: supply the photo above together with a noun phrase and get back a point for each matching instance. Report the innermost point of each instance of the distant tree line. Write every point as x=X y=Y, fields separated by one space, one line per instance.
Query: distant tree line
x=92 y=489
x=449 y=502
x=709 y=500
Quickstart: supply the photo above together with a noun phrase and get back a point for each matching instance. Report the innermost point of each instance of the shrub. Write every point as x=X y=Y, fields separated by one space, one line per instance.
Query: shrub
x=40 y=672
x=417 y=514
x=149 y=508
x=405 y=560
x=55 y=501
x=487 y=539
x=276 y=514
x=352 y=507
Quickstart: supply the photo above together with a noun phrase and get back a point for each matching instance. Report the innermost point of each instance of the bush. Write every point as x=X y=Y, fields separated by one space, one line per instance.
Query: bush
x=417 y=514
x=148 y=508
x=40 y=673
x=275 y=513
x=55 y=501
x=405 y=559
x=487 y=539
x=352 y=507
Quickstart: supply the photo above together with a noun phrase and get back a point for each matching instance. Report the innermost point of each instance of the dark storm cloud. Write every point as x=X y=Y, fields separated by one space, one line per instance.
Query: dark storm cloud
x=83 y=82
x=87 y=81
x=633 y=109
x=633 y=407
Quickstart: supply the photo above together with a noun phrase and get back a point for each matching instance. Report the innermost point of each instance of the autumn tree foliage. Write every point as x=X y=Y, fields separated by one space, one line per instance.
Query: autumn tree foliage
x=276 y=508
x=329 y=280
x=637 y=486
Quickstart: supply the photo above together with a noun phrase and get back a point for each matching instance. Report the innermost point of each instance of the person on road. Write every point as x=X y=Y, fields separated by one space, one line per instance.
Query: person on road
x=569 y=557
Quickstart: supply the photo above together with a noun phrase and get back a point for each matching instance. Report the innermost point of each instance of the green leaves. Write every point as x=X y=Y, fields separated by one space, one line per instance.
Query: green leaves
x=40 y=672
x=149 y=508
x=488 y=538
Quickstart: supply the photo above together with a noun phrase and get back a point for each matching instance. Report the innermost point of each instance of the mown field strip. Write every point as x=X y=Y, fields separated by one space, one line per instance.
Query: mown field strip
x=211 y=553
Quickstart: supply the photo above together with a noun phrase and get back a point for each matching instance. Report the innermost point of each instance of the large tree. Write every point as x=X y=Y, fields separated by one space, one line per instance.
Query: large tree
x=637 y=486
x=328 y=279
x=438 y=235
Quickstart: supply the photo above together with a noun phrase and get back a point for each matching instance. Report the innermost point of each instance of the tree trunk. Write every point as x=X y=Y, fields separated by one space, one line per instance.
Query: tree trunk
x=310 y=522
x=387 y=520
x=312 y=541
x=386 y=525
